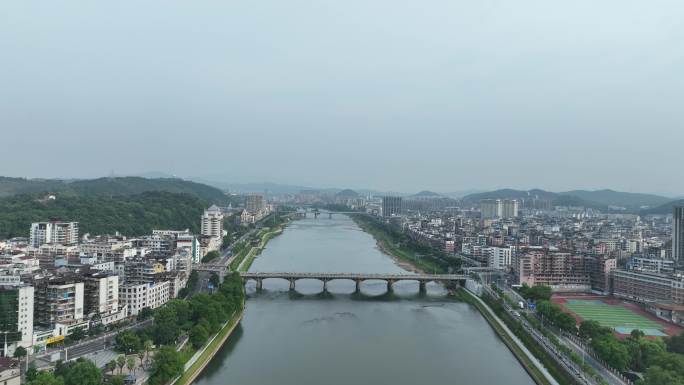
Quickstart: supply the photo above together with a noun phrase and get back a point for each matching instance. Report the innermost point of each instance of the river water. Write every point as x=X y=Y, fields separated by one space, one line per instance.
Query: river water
x=313 y=338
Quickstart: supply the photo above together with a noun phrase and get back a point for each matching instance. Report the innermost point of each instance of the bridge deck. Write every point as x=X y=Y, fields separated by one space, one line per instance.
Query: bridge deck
x=355 y=276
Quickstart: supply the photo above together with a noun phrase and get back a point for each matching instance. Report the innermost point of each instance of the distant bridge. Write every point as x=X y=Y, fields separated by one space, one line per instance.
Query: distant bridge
x=390 y=279
x=317 y=212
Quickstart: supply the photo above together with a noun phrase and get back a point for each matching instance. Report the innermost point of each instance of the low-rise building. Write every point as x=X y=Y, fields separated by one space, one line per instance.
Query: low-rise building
x=139 y=296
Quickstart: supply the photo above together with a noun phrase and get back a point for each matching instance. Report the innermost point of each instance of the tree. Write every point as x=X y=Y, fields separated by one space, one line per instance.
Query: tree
x=167 y=365
x=612 y=351
x=116 y=380
x=127 y=342
x=215 y=280
x=130 y=364
x=656 y=375
x=147 y=346
x=47 y=378
x=145 y=313
x=20 y=352
x=141 y=356
x=210 y=256
x=84 y=372
x=566 y=322
x=31 y=373
x=111 y=366
x=198 y=336
x=166 y=326
x=675 y=344
x=77 y=334
x=121 y=362
x=590 y=329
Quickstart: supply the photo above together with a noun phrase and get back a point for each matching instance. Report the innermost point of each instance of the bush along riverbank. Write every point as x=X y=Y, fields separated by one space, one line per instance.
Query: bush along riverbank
x=408 y=253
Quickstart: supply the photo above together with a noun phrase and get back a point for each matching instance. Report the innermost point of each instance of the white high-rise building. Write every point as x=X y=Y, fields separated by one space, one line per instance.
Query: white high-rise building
x=509 y=208
x=212 y=222
x=62 y=233
x=499 y=208
x=499 y=257
x=490 y=208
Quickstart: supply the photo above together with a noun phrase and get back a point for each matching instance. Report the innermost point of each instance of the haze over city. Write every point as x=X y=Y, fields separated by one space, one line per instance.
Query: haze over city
x=390 y=95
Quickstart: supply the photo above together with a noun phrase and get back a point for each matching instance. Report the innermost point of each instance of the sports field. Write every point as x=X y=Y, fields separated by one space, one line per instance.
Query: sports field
x=620 y=318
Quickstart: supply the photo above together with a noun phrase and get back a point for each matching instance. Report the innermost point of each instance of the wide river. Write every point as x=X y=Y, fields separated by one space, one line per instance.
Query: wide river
x=311 y=338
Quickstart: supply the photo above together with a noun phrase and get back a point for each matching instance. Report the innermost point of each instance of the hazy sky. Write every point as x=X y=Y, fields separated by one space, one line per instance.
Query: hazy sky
x=404 y=95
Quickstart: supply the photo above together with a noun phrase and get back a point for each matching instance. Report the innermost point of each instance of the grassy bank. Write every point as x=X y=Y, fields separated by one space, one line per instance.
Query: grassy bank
x=248 y=253
x=402 y=248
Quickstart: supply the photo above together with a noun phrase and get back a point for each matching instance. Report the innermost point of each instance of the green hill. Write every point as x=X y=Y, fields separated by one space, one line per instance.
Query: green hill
x=619 y=198
x=663 y=209
x=99 y=214
x=599 y=199
x=116 y=186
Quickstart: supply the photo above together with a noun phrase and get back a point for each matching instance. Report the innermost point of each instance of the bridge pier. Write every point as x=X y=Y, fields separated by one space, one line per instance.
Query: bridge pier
x=357 y=283
x=422 y=287
x=325 y=285
x=260 y=284
x=390 y=287
x=330 y=215
x=292 y=284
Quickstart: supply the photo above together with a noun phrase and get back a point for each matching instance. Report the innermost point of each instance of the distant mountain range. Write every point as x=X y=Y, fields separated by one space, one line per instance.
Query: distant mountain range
x=600 y=199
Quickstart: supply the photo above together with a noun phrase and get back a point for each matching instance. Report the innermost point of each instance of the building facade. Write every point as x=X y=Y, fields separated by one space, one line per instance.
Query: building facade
x=212 y=222
x=62 y=233
x=678 y=234
x=139 y=296
x=391 y=206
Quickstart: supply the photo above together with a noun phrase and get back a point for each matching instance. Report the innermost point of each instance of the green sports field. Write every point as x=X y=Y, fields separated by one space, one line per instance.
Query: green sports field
x=613 y=316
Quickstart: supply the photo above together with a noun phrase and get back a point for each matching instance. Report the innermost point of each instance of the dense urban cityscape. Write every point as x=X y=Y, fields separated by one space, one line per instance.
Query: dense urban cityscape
x=541 y=270
x=341 y=192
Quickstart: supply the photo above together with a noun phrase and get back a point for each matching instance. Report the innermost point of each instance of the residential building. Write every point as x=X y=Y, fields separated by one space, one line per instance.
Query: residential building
x=16 y=315
x=254 y=203
x=509 y=208
x=212 y=222
x=678 y=234
x=190 y=244
x=560 y=271
x=499 y=257
x=62 y=233
x=139 y=296
x=641 y=287
x=59 y=300
x=391 y=206
x=101 y=294
x=490 y=208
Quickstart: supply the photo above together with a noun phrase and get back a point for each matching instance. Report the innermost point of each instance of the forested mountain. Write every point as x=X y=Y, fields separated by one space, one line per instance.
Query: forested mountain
x=100 y=214
x=663 y=209
x=619 y=198
x=115 y=186
x=599 y=199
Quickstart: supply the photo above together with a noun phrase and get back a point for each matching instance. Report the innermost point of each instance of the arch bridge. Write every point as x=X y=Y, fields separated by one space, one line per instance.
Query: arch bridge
x=390 y=279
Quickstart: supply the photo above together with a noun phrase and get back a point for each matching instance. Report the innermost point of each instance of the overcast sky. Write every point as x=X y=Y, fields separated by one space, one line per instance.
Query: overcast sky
x=444 y=95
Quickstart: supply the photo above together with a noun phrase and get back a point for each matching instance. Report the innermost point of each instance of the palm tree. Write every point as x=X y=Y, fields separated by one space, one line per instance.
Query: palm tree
x=111 y=366
x=147 y=346
x=141 y=355
x=121 y=362
x=130 y=364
